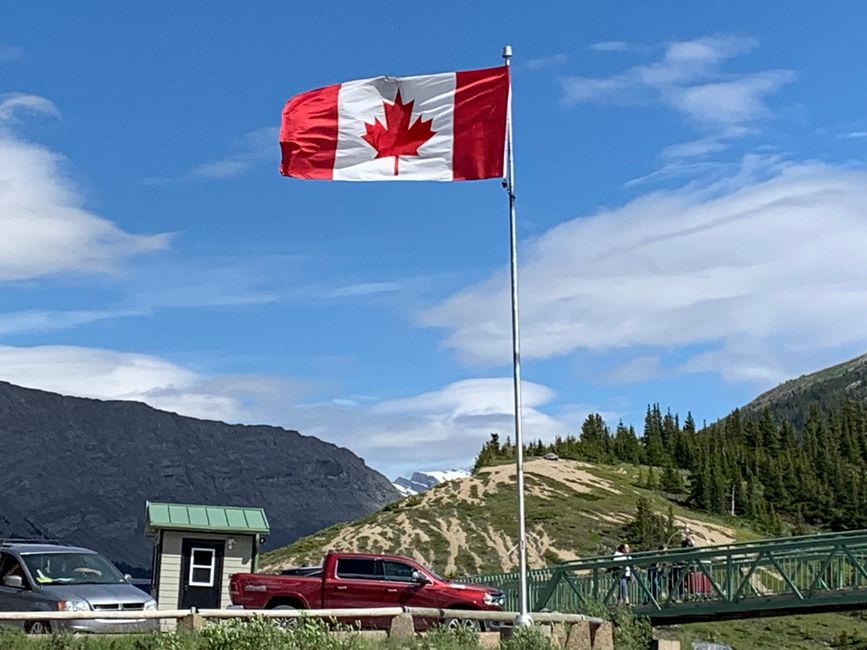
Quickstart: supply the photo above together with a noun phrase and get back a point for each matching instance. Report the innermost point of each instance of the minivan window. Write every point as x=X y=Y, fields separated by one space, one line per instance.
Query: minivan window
x=9 y=566
x=71 y=569
x=359 y=568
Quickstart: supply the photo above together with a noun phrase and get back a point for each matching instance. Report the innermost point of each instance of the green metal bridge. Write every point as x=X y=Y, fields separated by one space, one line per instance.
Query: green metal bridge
x=793 y=575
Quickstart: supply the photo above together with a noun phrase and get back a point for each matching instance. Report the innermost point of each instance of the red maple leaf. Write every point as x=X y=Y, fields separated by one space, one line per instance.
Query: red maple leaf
x=397 y=138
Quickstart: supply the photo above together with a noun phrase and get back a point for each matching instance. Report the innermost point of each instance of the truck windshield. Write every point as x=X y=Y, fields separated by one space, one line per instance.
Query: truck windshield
x=71 y=569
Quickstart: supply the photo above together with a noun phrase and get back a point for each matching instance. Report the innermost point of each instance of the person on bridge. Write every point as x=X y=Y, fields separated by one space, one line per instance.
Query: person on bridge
x=654 y=575
x=622 y=553
x=678 y=581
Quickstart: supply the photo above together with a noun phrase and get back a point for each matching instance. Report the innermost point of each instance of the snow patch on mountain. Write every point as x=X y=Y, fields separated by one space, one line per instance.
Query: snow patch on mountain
x=424 y=480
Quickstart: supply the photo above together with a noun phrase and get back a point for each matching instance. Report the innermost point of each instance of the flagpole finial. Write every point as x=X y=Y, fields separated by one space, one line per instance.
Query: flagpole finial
x=507 y=52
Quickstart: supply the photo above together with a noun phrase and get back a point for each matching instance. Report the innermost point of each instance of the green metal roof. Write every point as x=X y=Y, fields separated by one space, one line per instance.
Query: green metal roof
x=217 y=519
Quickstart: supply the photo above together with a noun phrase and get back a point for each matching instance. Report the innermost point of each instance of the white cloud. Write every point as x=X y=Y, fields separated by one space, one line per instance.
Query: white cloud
x=113 y=375
x=44 y=230
x=688 y=78
x=441 y=428
x=730 y=102
x=772 y=255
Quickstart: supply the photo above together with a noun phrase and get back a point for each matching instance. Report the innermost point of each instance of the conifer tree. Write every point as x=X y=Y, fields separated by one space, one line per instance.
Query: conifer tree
x=671 y=481
x=653 y=443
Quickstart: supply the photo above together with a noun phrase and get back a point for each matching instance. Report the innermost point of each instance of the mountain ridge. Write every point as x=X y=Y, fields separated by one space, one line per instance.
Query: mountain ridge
x=792 y=399
x=80 y=469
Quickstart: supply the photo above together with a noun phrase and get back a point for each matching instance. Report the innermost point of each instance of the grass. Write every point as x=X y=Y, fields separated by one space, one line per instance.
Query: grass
x=844 y=631
x=260 y=634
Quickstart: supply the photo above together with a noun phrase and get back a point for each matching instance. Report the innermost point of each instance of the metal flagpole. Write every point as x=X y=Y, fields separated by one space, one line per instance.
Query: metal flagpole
x=523 y=616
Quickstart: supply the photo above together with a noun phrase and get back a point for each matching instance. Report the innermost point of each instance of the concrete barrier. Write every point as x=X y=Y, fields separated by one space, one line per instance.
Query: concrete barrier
x=602 y=636
x=664 y=644
x=570 y=631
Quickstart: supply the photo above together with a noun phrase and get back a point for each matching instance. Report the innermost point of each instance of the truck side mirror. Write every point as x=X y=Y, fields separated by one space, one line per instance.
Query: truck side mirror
x=420 y=578
x=13 y=581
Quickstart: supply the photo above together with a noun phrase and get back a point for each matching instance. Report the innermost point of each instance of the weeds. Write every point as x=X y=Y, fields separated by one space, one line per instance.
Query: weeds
x=527 y=638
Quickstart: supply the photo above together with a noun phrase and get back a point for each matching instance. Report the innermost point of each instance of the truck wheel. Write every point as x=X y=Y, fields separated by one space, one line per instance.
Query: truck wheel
x=289 y=623
x=468 y=623
x=37 y=627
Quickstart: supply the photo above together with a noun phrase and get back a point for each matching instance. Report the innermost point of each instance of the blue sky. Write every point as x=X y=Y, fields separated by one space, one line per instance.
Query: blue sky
x=692 y=209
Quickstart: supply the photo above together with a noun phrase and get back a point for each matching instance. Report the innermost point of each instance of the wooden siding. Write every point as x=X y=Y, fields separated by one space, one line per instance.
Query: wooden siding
x=237 y=560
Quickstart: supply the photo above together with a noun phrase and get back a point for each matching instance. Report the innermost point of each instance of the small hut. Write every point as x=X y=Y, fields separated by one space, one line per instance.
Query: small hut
x=197 y=548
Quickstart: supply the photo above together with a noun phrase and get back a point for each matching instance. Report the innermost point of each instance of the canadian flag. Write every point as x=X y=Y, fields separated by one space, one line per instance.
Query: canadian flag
x=441 y=127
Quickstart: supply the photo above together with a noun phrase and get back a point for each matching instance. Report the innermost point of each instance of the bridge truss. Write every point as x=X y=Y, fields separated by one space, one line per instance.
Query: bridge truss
x=813 y=573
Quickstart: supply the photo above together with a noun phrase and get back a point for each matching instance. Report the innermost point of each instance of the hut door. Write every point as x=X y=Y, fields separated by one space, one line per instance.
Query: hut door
x=201 y=582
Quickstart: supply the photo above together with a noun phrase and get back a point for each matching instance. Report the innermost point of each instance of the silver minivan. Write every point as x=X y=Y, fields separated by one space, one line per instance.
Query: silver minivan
x=50 y=578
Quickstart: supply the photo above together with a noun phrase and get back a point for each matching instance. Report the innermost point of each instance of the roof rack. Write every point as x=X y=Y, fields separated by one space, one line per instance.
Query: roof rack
x=8 y=541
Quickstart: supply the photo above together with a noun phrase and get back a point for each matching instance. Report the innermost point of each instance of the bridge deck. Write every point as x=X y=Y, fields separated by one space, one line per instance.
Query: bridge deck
x=813 y=573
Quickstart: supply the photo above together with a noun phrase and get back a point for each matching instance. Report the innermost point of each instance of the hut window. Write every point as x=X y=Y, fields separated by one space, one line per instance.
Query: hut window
x=203 y=564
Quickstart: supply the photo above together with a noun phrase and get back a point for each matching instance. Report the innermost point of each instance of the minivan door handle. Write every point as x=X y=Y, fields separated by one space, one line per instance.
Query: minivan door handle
x=391 y=591
x=341 y=587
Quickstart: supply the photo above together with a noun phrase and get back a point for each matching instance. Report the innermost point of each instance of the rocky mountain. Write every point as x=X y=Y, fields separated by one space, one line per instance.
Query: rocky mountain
x=792 y=400
x=425 y=480
x=80 y=470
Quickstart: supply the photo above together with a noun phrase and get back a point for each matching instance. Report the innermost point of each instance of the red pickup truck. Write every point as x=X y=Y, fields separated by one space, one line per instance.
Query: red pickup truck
x=361 y=580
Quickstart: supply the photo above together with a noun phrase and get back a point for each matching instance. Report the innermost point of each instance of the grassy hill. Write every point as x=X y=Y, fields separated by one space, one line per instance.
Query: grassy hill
x=468 y=526
x=574 y=509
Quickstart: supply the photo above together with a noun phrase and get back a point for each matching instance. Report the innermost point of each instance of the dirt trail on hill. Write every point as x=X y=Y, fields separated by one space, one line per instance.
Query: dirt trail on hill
x=445 y=529
x=571 y=473
x=709 y=534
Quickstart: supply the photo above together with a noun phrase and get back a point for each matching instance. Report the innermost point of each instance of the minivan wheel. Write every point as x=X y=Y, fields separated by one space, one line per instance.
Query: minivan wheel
x=38 y=627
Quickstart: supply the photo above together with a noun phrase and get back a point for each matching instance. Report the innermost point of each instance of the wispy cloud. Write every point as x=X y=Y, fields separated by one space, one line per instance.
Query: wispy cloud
x=543 y=62
x=689 y=79
x=361 y=290
x=617 y=46
x=13 y=103
x=248 y=150
x=752 y=259
x=709 y=144
x=9 y=53
x=30 y=321
x=44 y=230
x=635 y=370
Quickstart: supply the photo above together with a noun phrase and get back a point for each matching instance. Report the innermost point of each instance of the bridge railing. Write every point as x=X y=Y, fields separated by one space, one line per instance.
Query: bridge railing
x=815 y=572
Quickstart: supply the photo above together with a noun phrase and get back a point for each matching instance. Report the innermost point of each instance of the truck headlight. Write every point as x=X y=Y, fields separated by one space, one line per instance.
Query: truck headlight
x=73 y=606
x=150 y=604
